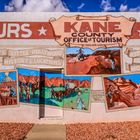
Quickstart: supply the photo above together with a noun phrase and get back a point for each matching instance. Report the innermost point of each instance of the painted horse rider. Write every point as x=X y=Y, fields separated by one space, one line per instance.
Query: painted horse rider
x=81 y=54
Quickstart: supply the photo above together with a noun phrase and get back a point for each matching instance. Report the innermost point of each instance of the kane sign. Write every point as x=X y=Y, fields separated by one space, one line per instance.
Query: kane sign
x=91 y=31
x=83 y=31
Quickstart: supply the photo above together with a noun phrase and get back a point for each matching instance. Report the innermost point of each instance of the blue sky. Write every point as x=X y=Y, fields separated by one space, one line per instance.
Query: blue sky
x=73 y=5
x=95 y=5
x=87 y=50
x=28 y=72
x=53 y=75
x=2 y=4
x=12 y=75
x=81 y=78
x=133 y=77
x=87 y=5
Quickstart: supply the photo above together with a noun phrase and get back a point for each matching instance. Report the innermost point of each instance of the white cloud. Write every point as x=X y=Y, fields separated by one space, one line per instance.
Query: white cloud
x=80 y=6
x=136 y=9
x=123 y=8
x=36 y=6
x=106 y=6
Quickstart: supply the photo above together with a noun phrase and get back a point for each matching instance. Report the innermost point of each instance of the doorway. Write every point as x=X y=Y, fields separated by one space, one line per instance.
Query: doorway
x=50 y=105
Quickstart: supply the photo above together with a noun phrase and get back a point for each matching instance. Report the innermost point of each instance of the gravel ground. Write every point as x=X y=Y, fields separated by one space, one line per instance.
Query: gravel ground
x=87 y=131
x=14 y=131
x=104 y=131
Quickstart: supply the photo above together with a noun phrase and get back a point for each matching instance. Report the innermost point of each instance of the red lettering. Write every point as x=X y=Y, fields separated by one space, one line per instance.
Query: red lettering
x=97 y=27
x=85 y=26
x=114 y=27
x=68 y=26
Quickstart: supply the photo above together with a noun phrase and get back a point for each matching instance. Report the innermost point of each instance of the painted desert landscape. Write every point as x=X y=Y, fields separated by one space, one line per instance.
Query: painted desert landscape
x=29 y=85
x=54 y=89
x=122 y=91
x=88 y=62
x=68 y=92
x=8 y=88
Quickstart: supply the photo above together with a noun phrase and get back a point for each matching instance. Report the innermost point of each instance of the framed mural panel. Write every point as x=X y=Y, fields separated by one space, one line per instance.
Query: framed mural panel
x=78 y=90
x=29 y=85
x=8 y=88
x=70 y=92
x=122 y=91
x=52 y=87
x=85 y=61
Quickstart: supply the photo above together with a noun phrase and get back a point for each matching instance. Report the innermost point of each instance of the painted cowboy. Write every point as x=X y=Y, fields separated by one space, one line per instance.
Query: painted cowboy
x=80 y=54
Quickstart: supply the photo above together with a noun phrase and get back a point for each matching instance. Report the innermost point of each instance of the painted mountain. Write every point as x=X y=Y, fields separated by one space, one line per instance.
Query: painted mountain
x=25 y=79
x=53 y=81
x=61 y=82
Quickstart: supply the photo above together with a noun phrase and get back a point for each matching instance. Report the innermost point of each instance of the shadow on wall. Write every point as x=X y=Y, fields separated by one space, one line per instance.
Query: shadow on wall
x=42 y=91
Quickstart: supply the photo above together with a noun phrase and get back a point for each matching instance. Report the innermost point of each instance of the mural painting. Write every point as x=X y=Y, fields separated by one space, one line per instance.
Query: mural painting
x=85 y=61
x=29 y=85
x=8 y=88
x=122 y=91
x=65 y=91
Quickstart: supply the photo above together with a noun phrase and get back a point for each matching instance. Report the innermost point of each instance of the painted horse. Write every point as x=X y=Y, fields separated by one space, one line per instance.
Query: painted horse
x=57 y=94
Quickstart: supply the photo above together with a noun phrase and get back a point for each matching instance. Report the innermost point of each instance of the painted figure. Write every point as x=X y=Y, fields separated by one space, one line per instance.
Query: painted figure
x=80 y=54
x=112 y=61
x=109 y=94
x=35 y=86
x=80 y=102
x=21 y=89
x=67 y=85
x=12 y=91
x=27 y=90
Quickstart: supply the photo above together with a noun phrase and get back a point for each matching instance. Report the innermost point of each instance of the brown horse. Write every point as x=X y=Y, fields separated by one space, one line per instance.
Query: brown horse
x=57 y=94
x=68 y=91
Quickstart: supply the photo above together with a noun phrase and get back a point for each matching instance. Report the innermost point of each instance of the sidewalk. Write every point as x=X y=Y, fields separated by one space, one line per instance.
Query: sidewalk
x=47 y=132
